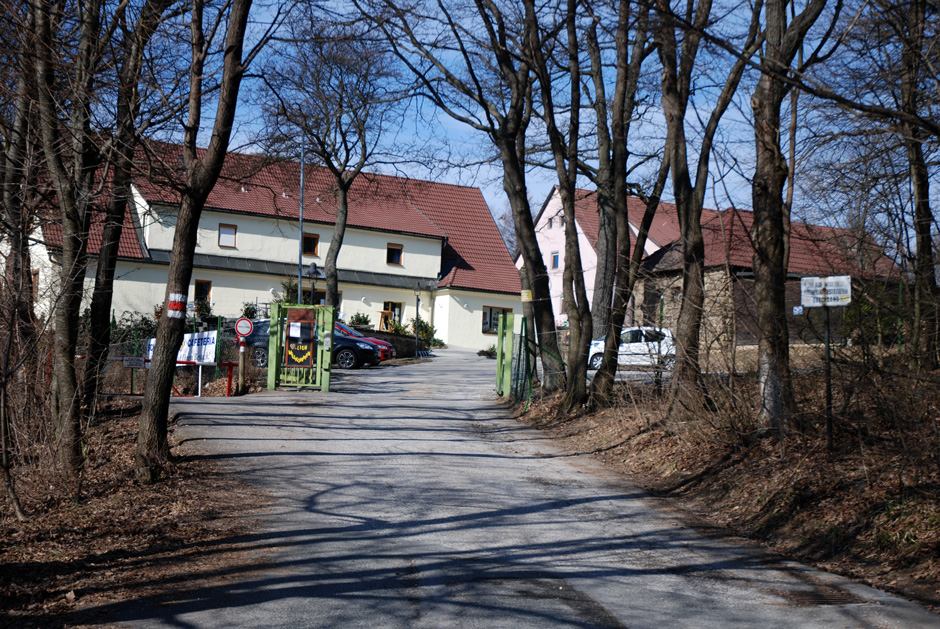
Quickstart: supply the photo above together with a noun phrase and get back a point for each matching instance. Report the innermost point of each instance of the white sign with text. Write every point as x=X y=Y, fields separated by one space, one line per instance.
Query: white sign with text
x=835 y=290
x=199 y=347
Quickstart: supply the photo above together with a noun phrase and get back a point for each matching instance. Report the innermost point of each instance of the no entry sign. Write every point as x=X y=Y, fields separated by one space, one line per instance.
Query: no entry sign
x=243 y=327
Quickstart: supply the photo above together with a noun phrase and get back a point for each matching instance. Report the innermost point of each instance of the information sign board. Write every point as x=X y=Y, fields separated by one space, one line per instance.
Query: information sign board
x=835 y=290
x=199 y=347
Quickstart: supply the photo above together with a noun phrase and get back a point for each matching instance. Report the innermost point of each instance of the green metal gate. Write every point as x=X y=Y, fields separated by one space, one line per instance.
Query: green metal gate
x=300 y=346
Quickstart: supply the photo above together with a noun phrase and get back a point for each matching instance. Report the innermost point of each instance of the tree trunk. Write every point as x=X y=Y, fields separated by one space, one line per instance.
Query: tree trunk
x=607 y=254
x=627 y=274
x=925 y=282
x=770 y=236
x=775 y=389
x=201 y=175
x=75 y=187
x=336 y=242
x=553 y=371
x=125 y=142
x=152 y=446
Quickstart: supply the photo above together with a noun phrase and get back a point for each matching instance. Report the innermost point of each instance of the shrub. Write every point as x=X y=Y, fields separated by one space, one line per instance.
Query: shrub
x=360 y=318
x=427 y=332
x=397 y=328
x=250 y=310
x=203 y=309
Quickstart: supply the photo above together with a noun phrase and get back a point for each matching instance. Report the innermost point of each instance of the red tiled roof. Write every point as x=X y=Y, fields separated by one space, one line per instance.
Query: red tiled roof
x=814 y=249
x=474 y=255
x=128 y=245
x=664 y=228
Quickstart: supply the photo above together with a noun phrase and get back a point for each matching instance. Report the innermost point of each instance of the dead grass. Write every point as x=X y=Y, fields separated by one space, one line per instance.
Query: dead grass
x=118 y=540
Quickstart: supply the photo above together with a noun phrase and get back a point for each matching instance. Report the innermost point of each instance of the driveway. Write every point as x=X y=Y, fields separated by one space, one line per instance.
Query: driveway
x=408 y=498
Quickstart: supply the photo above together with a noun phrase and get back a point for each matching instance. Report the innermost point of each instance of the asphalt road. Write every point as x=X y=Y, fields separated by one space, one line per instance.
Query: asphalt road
x=407 y=498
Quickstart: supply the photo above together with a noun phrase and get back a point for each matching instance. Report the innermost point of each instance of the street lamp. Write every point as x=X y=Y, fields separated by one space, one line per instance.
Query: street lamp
x=312 y=274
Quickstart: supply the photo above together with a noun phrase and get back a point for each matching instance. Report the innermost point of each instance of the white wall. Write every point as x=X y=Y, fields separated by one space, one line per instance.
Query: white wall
x=275 y=239
x=140 y=287
x=552 y=239
x=458 y=316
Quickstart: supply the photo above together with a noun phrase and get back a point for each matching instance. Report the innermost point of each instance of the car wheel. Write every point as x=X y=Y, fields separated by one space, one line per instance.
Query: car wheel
x=346 y=359
x=596 y=360
x=259 y=357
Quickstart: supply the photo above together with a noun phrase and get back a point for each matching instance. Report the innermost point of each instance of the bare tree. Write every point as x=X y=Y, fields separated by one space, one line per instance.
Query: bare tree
x=564 y=148
x=340 y=89
x=616 y=271
x=70 y=148
x=201 y=169
x=679 y=69
x=19 y=202
x=470 y=63
x=782 y=40
x=132 y=46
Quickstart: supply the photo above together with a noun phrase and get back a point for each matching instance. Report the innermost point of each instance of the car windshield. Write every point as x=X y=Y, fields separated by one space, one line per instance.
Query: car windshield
x=630 y=336
x=349 y=331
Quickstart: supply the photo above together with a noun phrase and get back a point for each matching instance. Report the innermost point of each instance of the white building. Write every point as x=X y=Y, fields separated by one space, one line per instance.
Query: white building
x=406 y=240
x=550 y=234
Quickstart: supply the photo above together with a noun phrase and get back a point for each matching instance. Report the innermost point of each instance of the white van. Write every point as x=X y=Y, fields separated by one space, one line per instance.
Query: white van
x=642 y=346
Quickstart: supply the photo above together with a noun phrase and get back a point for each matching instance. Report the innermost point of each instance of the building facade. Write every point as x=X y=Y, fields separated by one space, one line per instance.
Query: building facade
x=411 y=249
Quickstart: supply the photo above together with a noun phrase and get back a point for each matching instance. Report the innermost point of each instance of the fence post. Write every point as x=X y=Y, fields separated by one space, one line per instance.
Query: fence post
x=274 y=335
x=324 y=366
x=500 y=355
x=505 y=334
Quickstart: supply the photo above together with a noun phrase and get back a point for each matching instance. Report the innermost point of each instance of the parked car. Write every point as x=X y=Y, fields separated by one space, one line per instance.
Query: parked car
x=640 y=346
x=256 y=343
x=348 y=352
x=386 y=348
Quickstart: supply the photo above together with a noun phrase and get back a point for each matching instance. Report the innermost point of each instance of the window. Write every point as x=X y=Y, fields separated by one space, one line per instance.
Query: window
x=491 y=318
x=35 y=285
x=555 y=259
x=393 y=254
x=632 y=336
x=311 y=244
x=390 y=314
x=227 y=235
x=203 y=291
x=549 y=223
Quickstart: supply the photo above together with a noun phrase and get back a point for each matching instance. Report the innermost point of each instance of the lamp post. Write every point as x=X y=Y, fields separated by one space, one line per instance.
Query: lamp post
x=312 y=274
x=417 y=314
